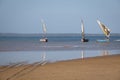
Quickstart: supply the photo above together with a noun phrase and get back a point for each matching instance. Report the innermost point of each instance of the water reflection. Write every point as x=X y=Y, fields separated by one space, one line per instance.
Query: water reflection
x=43 y=57
x=82 y=54
x=43 y=54
x=105 y=52
x=50 y=56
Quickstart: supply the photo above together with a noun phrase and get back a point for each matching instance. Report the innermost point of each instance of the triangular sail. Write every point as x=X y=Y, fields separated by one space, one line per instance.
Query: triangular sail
x=44 y=27
x=82 y=29
x=105 y=29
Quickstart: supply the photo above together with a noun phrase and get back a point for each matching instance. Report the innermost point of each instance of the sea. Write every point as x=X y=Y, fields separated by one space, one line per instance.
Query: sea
x=16 y=48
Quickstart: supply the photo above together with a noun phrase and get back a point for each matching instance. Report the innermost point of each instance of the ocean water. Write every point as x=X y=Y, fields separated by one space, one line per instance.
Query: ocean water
x=28 y=48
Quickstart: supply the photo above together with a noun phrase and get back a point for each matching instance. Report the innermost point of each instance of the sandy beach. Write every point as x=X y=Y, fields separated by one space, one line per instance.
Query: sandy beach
x=97 y=68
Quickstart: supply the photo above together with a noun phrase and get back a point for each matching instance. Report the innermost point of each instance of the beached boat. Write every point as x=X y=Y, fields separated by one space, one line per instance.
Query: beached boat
x=105 y=30
x=44 y=39
x=83 y=32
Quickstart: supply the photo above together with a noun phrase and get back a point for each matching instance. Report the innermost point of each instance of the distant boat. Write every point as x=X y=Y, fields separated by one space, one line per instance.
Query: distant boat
x=105 y=30
x=83 y=32
x=44 y=39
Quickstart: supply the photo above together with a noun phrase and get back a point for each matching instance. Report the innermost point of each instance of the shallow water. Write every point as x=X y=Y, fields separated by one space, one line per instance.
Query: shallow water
x=29 y=49
x=57 y=42
x=29 y=57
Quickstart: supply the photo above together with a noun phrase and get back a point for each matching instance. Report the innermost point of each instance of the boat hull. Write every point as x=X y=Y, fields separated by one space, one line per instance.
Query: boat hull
x=84 y=40
x=44 y=40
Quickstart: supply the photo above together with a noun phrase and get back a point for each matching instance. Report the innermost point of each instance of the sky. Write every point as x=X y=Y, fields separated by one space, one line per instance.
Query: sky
x=60 y=16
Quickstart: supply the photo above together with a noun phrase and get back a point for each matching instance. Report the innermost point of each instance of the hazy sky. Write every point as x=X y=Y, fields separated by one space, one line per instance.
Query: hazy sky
x=61 y=16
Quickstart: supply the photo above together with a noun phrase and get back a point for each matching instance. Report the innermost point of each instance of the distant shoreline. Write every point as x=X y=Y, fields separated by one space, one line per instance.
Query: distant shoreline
x=51 y=34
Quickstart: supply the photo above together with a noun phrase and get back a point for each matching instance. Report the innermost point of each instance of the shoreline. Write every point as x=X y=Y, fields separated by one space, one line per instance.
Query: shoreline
x=95 y=68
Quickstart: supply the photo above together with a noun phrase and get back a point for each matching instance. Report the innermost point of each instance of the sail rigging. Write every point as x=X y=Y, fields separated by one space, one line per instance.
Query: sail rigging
x=105 y=29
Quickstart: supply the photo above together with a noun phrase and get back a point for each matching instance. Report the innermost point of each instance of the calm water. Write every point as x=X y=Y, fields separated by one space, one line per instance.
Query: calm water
x=29 y=49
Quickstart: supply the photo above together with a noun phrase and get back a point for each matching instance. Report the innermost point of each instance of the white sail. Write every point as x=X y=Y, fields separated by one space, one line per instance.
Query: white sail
x=44 y=26
x=82 y=29
x=105 y=29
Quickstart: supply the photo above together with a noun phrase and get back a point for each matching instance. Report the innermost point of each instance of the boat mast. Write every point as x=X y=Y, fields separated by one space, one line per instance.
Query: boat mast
x=105 y=29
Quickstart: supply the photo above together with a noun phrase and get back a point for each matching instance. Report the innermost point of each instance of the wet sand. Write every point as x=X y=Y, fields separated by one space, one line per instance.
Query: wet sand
x=97 y=68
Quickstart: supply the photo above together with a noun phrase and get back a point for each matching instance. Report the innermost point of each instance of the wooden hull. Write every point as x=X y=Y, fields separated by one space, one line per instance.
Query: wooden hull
x=44 y=40
x=84 y=40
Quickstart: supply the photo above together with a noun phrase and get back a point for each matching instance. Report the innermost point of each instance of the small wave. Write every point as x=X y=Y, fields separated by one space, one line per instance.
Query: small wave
x=117 y=40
